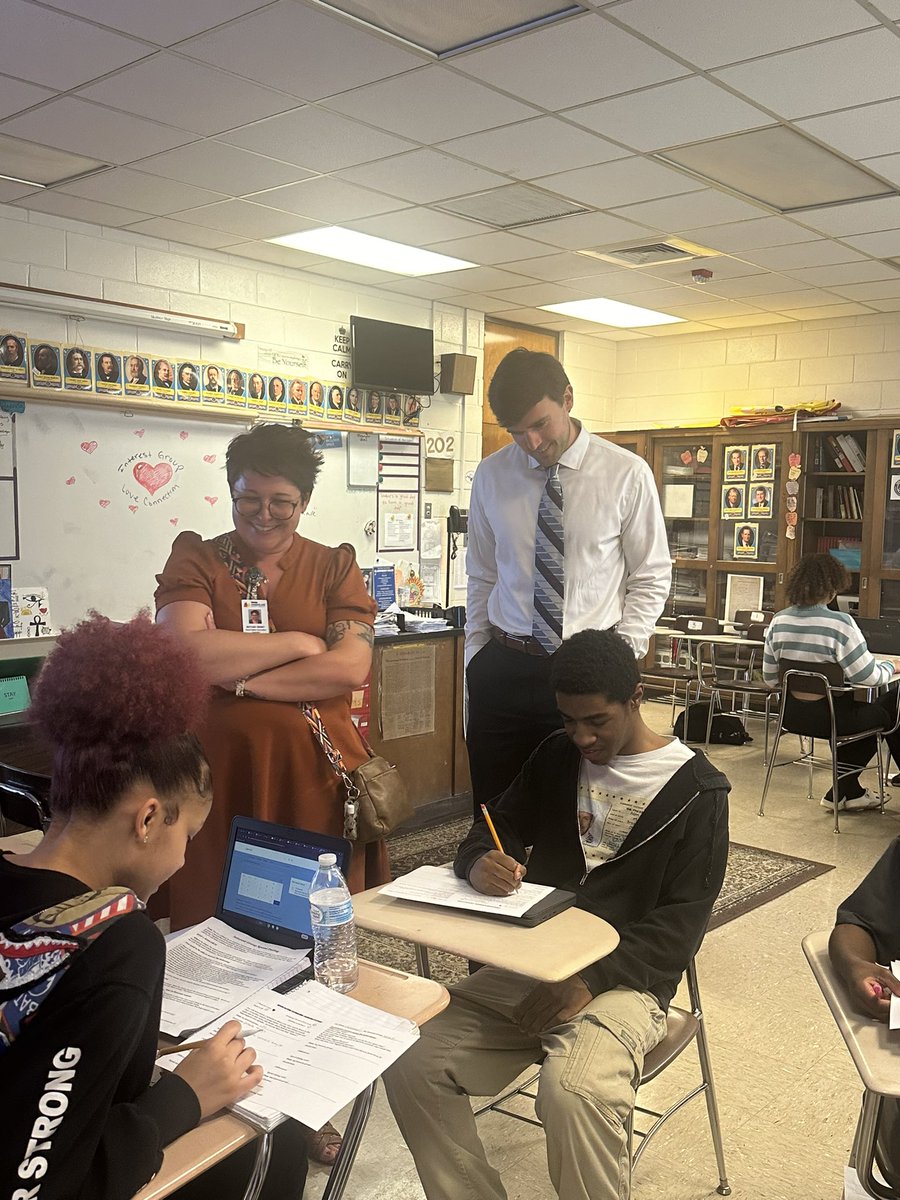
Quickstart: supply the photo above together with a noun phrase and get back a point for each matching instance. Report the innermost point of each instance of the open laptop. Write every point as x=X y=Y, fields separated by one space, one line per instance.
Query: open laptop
x=882 y=634
x=266 y=880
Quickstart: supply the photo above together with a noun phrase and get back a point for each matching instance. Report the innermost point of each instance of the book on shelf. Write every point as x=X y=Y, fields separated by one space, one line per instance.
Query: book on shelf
x=852 y=451
x=841 y=461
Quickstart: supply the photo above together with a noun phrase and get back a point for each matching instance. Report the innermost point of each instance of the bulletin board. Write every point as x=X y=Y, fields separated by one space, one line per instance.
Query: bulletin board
x=103 y=493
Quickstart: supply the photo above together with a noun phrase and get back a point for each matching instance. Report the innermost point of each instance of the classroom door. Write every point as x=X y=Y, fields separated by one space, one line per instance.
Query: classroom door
x=499 y=339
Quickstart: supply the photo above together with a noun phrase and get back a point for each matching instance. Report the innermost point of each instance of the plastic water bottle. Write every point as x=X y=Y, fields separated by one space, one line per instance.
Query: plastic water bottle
x=334 y=956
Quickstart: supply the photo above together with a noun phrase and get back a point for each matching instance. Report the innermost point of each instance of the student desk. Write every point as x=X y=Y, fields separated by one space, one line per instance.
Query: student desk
x=549 y=952
x=395 y=992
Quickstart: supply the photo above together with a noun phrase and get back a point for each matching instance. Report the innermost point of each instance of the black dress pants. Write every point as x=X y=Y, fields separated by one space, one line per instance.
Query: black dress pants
x=511 y=710
x=810 y=719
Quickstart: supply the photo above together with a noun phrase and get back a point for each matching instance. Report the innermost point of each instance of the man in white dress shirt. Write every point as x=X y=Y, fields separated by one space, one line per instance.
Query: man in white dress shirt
x=616 y=562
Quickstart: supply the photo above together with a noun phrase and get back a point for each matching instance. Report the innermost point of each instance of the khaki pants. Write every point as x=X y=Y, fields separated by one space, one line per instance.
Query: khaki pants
x=592 y=1065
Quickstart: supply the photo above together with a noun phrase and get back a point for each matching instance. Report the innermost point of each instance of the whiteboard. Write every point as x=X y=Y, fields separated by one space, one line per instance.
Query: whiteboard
x=103 y=494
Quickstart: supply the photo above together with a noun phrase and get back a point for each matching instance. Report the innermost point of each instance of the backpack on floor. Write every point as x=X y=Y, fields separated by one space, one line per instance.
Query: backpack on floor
x=727 y=729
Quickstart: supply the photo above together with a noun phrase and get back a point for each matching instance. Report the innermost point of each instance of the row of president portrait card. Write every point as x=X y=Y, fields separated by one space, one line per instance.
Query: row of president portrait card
x=113 y=373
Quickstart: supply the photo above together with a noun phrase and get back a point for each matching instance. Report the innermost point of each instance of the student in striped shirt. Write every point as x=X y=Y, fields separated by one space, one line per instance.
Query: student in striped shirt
x=811 y=632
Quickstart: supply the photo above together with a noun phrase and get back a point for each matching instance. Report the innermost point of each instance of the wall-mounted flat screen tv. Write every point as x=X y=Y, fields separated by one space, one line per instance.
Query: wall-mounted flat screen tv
x=398 y=358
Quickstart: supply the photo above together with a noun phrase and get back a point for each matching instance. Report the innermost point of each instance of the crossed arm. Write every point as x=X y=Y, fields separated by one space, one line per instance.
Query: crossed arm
x=289 y=666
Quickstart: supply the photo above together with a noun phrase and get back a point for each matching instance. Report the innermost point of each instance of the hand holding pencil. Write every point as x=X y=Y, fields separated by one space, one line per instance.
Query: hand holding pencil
x=496 y=873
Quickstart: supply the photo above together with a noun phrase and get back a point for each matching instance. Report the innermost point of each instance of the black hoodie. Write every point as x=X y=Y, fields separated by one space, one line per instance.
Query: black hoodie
x=657 y=890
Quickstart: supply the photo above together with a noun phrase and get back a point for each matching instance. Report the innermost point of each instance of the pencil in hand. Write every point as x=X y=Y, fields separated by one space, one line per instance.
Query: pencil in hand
x=186 y=1046
x=490 y=825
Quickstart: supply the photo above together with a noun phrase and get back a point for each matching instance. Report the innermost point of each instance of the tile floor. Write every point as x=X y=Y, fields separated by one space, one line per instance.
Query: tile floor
x=788 y=1093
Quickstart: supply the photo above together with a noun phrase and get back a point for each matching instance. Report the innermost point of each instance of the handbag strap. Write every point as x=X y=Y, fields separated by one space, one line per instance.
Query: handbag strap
x=336 y=762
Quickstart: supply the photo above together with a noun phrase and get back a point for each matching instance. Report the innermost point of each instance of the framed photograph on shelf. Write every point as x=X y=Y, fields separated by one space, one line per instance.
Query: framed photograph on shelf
x=762 y=461
x=736 y=462
x=746 y=540
x=733 y=500
x=760 y=500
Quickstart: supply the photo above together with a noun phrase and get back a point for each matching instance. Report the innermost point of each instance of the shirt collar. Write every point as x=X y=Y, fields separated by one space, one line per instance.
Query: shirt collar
x=574 y=456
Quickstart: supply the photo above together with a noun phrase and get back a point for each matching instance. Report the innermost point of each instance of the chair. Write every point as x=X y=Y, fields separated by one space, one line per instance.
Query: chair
x=683 y=670
x=744 y=617
x=683 y=1027
x=23 y=798
x=711 y=681
x=874 y=1055
x=824 y=681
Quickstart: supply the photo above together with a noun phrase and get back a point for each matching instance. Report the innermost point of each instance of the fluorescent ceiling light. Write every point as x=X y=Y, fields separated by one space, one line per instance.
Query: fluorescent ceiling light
x=108 y=310
x=611 y=312
x=43 y=166
x=779 y=167
x=333 y=241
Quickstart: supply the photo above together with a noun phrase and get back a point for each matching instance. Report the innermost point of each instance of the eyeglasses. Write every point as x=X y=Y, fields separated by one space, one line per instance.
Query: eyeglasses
x=249 y=506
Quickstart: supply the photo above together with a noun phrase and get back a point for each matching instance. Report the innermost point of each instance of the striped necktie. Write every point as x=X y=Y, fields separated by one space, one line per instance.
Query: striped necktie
x=549 y=574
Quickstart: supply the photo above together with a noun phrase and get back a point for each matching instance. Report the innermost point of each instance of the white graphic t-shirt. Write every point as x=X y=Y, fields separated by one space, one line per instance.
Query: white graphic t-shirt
x=612 y=797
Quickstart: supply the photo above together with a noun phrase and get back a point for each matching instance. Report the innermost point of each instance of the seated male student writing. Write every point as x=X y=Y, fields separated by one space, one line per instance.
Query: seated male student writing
x=81 y=963
x=864 y=941
x=637 y=825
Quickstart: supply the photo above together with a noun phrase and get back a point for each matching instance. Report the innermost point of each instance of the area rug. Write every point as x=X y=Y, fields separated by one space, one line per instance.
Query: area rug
x=753 y=878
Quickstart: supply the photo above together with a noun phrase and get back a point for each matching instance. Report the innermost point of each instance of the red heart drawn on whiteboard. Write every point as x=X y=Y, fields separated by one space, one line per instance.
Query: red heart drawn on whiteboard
x=152 y=477
x=70 y=481
x=210 y=500
x=138 y=432
x=209 y=458
x=132 y=507
x=173 y=520
x=183 y=435
x=89 y=447
x=104 y=504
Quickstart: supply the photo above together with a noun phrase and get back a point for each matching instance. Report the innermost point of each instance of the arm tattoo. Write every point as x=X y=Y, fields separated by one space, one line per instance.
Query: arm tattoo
x=335 y=632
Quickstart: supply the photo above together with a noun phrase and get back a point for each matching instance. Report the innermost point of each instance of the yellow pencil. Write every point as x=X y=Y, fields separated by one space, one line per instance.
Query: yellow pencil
x=490 y=825
x=185 y=1046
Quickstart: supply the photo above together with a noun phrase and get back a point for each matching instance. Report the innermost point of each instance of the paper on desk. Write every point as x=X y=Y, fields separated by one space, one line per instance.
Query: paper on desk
x=318 y=1050
x=439 y=885
x=894 y=1020
x=211 y=968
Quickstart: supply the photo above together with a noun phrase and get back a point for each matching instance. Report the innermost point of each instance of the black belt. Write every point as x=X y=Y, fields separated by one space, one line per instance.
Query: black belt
x=524 y=645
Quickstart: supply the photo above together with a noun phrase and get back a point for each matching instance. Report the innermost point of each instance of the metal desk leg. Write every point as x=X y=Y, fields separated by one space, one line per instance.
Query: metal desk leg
x=343 y=1164
x=422 y=964
x=260 y=1166
x=863 y=1154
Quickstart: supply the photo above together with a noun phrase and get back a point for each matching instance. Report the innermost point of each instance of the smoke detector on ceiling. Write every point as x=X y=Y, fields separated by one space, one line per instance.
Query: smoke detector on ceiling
x=651 y=254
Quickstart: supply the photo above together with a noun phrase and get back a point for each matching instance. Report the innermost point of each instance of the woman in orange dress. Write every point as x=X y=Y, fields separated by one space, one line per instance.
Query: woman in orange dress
x=265 y=761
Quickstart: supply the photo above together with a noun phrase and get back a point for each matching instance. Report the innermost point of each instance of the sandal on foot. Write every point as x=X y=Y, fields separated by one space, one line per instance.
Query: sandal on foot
x=323 y=1144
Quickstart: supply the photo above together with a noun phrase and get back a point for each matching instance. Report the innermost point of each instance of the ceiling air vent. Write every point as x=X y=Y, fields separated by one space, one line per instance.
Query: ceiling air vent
x=512 y=207
x=651 y=254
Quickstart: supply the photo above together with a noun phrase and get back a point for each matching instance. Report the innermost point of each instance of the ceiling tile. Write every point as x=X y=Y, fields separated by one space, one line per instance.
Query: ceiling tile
x=570 y=62
x=244 y=219
x=851 y=70
x=585 y=230
x=748 y=321
x=544 y=293
x=688 y=110
x=560 y=266
x=12 y=191
x=619 y=283
x=181 y=231
x=131 y=189
x=317 y=139
x=859 y=132
x=423 y=176
x=109 y=136
x=352 y=273
x=881 y=245
x=866 y=216
x=749 y=235
x=674 y=213
x=628 y=181
x=15 y=95
x=712 y=32
x=722 y=266
x=536 y=147
x=710 y=308
x=430 y=105
x=878 y=290
x=162 y=22
x=78 y=209
x=887 y=165
x=475 y=300
x=854 y=272
x=282 y=256
x=487 y=279
x=228 y=169
x=490 y=248
x=827 y=311
x=801 y=298
x=822 y=253
x=421 y=288
x=328 y=199
x=302 y=50
x=61 y=52
x=751 y=285
x=418 y=226
x=187 y=95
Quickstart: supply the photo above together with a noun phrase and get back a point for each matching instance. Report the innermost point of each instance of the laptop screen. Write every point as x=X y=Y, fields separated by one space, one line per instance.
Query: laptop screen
x=268 y=872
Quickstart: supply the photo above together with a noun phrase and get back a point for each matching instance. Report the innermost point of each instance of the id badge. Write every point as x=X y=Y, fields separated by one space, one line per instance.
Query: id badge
x=255 y=616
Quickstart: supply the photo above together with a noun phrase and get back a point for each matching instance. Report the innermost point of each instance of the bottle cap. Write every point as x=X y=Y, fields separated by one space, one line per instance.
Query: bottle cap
x=327 y=860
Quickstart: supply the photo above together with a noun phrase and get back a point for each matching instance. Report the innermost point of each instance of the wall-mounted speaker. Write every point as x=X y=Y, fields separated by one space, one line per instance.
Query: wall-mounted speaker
x=458 y=373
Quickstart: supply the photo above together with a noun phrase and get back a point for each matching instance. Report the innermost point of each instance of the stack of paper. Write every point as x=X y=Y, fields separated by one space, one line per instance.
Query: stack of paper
x=318 y=1049
x=439 y=885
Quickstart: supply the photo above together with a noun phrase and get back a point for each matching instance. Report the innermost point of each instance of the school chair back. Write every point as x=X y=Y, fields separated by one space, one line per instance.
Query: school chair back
x=23 y=798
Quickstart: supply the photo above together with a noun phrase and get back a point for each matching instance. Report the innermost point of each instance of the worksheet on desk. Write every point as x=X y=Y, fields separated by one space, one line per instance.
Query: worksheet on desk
x=318 y=1050
x=212 y=967
x=439 y=885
